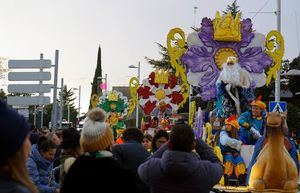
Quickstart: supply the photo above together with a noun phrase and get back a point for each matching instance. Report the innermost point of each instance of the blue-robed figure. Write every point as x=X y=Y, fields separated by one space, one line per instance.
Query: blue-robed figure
x=252 y=123
x=230 y=147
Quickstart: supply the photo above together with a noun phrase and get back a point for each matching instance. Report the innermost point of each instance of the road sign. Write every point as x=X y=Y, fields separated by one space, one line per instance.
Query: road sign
x=29 y=76
x=279 y=107
x=28 y=100
x=29 y=88
x=29 y=64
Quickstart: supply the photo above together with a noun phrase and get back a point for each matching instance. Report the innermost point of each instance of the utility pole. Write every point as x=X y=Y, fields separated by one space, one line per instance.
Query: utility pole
x=277 y=82
x=54 y=107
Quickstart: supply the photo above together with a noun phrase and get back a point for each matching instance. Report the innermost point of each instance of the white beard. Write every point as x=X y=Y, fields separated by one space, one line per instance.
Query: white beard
x=235 y=75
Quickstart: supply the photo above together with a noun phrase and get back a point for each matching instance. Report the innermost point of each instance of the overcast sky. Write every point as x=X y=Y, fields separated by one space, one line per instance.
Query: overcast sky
x=126 y=29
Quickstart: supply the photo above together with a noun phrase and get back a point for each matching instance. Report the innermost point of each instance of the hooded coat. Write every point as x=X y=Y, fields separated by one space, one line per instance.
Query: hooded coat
x=177 y=171
x=40 y=171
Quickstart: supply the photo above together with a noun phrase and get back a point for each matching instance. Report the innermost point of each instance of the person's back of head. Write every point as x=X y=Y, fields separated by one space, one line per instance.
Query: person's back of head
x=133 y=133
x=15 y=148
x=96 y=134
x=182 y=138
x=70 y=138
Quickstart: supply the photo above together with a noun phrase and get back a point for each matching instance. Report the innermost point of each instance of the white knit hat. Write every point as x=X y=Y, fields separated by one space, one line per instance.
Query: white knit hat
x=96 y=134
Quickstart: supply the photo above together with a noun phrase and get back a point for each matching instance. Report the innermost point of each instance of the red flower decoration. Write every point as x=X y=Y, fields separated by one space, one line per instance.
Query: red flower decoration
x=144 y=92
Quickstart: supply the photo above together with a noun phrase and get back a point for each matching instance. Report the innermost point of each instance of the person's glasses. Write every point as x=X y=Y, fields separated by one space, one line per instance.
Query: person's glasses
x=160 y=141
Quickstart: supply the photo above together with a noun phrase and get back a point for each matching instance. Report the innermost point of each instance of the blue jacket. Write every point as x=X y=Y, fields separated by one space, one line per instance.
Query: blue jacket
x=40 y=171
x=178 y=171
x=258 y=124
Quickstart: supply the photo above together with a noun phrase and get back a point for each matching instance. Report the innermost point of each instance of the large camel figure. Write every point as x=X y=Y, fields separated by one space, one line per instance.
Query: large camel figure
x=274 y=169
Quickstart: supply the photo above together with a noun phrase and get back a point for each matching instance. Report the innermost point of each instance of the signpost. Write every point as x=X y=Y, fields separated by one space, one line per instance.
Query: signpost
x=29 y=88
x=29 y=76
x=21 y=64
x=28 y=100
x=39 y=88
x=279 y=107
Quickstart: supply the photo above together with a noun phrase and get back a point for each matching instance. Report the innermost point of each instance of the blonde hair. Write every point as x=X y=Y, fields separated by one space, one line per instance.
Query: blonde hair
x=17 y=169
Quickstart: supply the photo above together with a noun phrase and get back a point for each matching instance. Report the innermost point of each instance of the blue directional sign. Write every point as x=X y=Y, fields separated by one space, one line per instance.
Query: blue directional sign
x=279 y=107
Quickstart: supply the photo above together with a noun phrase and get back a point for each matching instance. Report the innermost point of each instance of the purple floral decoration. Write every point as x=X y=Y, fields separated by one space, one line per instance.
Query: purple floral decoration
x=201 y=58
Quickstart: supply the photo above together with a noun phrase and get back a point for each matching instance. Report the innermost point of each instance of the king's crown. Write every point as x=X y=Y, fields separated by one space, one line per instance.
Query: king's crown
x=113 y=96
x=227 y=28
x=161 y=76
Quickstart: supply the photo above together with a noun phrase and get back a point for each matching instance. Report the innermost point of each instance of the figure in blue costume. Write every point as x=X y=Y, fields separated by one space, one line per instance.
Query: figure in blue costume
x=288 y=143
x=230 y=147
x=252 y=123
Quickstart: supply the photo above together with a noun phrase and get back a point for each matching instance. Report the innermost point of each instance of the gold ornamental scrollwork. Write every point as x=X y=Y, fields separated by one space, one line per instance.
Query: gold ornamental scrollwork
x=133 y=101
x=176 y=48
x=275 y=49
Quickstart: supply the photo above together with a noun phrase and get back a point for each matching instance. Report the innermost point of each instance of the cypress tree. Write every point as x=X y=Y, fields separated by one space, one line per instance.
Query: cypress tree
x=98 y=73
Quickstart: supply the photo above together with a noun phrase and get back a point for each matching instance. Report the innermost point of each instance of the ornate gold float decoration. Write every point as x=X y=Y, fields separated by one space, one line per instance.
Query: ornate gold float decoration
x=133 y=101
x=275 y=49
x=176 y=48
x=94 y=100
x=227 y=28
x=192 y=111
x=222 y=55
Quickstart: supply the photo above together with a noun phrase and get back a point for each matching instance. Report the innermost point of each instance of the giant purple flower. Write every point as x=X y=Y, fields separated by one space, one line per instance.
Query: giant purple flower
x=199 y=59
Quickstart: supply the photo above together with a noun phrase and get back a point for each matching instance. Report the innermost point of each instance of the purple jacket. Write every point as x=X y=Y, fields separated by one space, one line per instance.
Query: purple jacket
x=175 y=171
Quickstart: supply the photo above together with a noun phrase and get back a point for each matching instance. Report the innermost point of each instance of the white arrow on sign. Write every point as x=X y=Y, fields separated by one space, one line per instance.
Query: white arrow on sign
x=29 y=64
x=27 y=100
x=29 y=76
x=29 y=88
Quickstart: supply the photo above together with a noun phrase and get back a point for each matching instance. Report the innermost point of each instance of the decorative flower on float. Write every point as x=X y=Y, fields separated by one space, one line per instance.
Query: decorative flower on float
x=159 y=93
x=114 y=101
x=214 y=43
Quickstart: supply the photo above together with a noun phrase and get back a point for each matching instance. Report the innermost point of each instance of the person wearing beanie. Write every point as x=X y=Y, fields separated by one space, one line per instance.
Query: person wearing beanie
x=40 y=165
x=230 y=146
x=97 y=166
x=174 y=167
x=70 y=151
x=15 y=148
x=252 y=123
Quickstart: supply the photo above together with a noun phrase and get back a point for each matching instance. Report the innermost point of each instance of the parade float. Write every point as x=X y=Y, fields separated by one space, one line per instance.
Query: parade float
x=160 y=95
x=116 y=107
x=203 y=58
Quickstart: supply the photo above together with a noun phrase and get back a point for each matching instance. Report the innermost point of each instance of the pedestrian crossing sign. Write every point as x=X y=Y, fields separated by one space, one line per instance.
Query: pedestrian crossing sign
x=278 y=107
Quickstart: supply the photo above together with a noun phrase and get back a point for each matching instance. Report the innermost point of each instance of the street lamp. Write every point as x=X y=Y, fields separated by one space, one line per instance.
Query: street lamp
x=137 y=105
x=79 y=94
x=100 y=78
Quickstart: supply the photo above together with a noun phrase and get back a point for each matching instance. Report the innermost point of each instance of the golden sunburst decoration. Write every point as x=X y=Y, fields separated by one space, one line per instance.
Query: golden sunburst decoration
x=222 y=55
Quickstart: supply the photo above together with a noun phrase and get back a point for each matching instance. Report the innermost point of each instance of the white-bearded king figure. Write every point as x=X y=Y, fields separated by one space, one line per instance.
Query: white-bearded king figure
x=232 y=81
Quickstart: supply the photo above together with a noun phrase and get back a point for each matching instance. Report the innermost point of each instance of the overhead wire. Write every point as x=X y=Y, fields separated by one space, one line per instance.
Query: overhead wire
x=260 y=9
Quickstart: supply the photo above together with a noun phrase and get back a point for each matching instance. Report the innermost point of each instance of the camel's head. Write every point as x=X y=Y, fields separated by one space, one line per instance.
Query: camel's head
x=277 y=121
x=273 y=119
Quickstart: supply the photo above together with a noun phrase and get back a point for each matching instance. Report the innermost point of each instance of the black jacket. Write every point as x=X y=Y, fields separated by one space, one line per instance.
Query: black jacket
x=90 y=174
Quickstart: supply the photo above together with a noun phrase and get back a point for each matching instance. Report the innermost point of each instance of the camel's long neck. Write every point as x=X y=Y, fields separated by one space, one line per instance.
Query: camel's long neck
x=276 y=142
